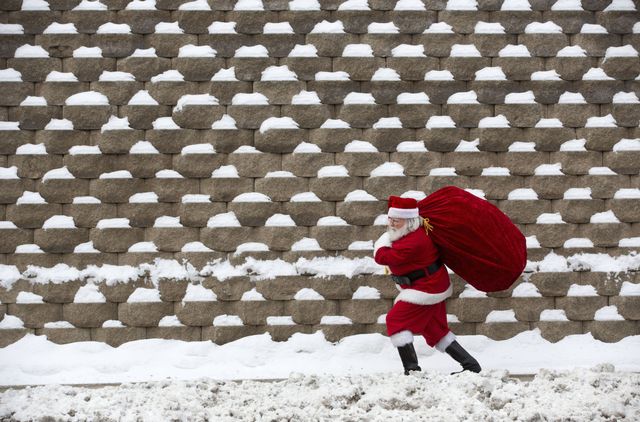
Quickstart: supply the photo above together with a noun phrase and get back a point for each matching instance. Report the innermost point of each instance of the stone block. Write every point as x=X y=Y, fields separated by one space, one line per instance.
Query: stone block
x=442 y=139
x=88 y=166
x=521 y=115
x=579 y=211
x=332 y=92
x=412 y=116
x=281 y=189
x=144 y=166
x=118 y=92
x=169 y=92
x=617 y=21
x=226 y=141
x=250 y=68
x=278 y=45
x=254 y=164
x=577 y=162
x=85 y=117
x=571 y=68
x=438 y=44
x=282 y=288
x=60 y=240
x=24 y=260
x=307 y=67
x=284 y=332
x=501 y=330
x=604 y=186
x=225 y=44
x=628 y=306
x=626 y=114
x=627 y=210
x=548 y=91
x=116 y=336
x=554 y=283
x=196 y=214
x=468 y=115
x=197 y=21
x=279 y=141
x=255 y=312
x=10 y=42
x=493 y=92
x=554 y=235
x=116 y=240
x=11 y=238
x=310 y=312
x=364 y=311
x=439 y=91
x=143 y=22
x=472 y=309
x=468 y=163
x=333 y=140
x=57 y=92
x=360 y=163
x=65 y=335
x=143 y=116
x=623 y=162
x=303 y=21
x=35 y=69
x=412 y=68
x=417 y=163
x=226 y=334
x=89 y=315
x=336 y=332
x=200 y=313
x=251 y=116
x=528 y=309
x=611 y=331
x=11 y=335
x=497 y=139
x=251 y=21
x=117 y=141
x=334 y=188
x=524 y=211
x=606 y=235
x=34 y=117
x=172 y=239
x=429 y=184
x=224 y=189
x=307 y=213
x=198 y=69
x=143 y=314
x=581 y=308
x=115 y=190
x=144 y=68
x=88 y=69
x=166 y=141
x=543 y=44
x=34 y=166
x=35 y=315
x=519 y=68
x=62 y=191
x=88 y=215
x=197 y=165
x=230 y=289
x=496 y=187
x=195 y=116
x=120 y=45
x=280 y=238
x=388 y=139
x=555 y=331
x=168 y=45
x=552 y=187
x=172 y=189
x=383 y=186
x=464 y=68
x=331 y=44
x=412 y=21
x=175 y=333
x=199 y=259
x=308 y=116
x=224 y=239
x=31 y=216
x=84 y=259
x=599 y=91
x=334 y=238
x=595 y=44
x=10 y=140
x=360 y=213
x=574 y=115
x=253 y=214
x=118 y=292
x=549 y=139
x=13 y=93
x=59 y=141
x=385 y=91
x=361 y=115
x=12 y=189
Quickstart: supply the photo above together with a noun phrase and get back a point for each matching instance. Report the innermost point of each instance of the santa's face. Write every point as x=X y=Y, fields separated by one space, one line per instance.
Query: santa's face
x=397 y=227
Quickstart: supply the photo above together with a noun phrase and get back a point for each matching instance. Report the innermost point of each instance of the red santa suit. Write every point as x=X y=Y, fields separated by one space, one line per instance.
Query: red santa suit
x=420 y=307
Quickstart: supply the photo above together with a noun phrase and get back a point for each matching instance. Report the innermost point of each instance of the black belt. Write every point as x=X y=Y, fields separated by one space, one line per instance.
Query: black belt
x=417 y=274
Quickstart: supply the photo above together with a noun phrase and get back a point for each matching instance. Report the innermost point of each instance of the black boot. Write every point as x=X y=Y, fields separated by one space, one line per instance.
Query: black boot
x=409 y=358
x=463 y=358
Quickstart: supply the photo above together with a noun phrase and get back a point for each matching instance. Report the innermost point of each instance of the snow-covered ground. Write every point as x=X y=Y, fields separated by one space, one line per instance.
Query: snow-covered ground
x=309 y=378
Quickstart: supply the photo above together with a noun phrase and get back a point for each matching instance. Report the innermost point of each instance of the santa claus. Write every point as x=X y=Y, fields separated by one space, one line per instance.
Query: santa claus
x=424 y=284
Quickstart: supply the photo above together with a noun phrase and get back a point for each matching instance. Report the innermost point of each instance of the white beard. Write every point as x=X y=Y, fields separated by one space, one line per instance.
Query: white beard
x=395 y=234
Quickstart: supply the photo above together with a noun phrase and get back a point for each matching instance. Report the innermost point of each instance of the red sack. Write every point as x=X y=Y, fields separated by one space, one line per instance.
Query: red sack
x=476 y=240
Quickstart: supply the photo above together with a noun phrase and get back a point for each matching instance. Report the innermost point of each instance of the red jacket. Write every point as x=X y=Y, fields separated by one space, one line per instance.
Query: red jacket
x=413 y=252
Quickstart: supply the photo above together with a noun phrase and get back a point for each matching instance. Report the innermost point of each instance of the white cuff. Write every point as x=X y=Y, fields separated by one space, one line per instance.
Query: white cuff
x=423 y=298
x=401 y=338
x=382 y=241
x=445 y=342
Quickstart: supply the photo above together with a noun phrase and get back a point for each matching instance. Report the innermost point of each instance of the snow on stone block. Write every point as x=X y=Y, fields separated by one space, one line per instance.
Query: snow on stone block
x=526 y=290
x=280 y=220
x=468 y=146
x=439 y=28
x=332 y=76
x=550 y=218
x=630 y=289
x=625 y=98
x=464 y=50
x=144 y=198
x=196 y=247
x=413 y=98
x=306 y=50
x=251 y=247
x=471 y=292
x=549 y=170
x=143 y=247
x=227 y=321
x=354 y=5
x=305 y=197
x=28 y=51
x=170 y=321
x=331 y=221
x=522 y=147
x=629 y=193
x=168 y=28
x=608 y=313
x=440 y=122
x=382 y=28
x=543 y=28
x=572 y=51
x=196 y=99
x=574 y=145
x=361 y=245
x=357 y=50
x=248 y=5
x=11 y=29
x=388 y=170
x=548 y=123
x=198 y=149
x=252 y=295
x=198 y=293
x=278 y=73
x=359 y=195
x=166 y=221
x=577 y=290
x=553 y=315
x=10 y=322
x=118 y=174
x=197 y=51
x=335 y=124
x=360 y=146
x=306 y=98
x=443 y=171
x=596 y=74
x=142 y=97
x=116 y=123
x=10 y=75
x=385 y=74
x=499 y=121
x=532 y=242
x=222 y=28
x=606 y=217
x=567 y=5
x=304 y=5
x=28 y=249
x=32 y=101
x=228 y=219
x=495 y=172
x=468 y=97
x=59 y=222
x=114 y=28
x=335 y=320
x=489 y=28
x=621 y=6
x=226 y=122
x=306 y=244
x=31 y=149
x=578 y=242
x=277 y=28
x=113 y=223
x=168 y=76
x=255 y=98
x=28 y=298
x=280 y=320
x=251 y=51
x=508 y=315
x=9 y=173
x=307 y=148
x=471 y=5
x=60 y=28
x=89 y=293
x=511 y=50
x=577 y=193
x=195 y=5
x=86 y=247
x=88 y=98
x=490 y=74
x=411 y=146
x=229 y=171
x=87 y=52
x=366 y=293
x=59 y=124
x=29 y=197
x=408 y=50
x=627 y=145
x=308 y=294
x=278 y=123
x=168 y=174
x=326 y=27
x=142 y=294
x=143 y=147
x=546 y=75
x=333 y=171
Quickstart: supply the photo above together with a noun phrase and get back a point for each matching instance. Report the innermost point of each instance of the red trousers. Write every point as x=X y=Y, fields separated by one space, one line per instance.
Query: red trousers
x=430 y=321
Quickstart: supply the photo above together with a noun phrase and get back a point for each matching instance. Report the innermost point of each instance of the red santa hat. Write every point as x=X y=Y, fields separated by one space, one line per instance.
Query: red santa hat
x=402 y=207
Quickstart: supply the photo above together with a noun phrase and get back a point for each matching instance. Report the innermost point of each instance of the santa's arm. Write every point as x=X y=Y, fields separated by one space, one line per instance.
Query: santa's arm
x=390 y=255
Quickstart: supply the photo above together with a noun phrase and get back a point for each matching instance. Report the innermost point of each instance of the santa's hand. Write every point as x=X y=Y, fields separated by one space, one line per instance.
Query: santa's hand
x=382 y=241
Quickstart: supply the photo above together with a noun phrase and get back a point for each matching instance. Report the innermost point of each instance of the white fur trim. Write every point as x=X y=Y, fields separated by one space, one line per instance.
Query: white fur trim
x=402 y=212
x=421 y=298
x=382 y=241
x=445 y=342
x=401 y=338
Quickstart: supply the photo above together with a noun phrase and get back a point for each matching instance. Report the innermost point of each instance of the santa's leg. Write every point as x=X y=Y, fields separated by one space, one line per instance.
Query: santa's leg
x=404 y=342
